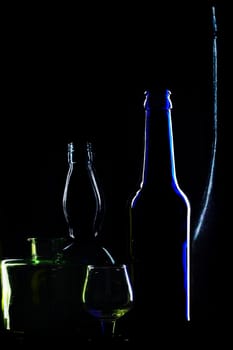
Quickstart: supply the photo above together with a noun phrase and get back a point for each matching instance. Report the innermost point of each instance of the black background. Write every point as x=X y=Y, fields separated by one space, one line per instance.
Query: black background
x=80 y=73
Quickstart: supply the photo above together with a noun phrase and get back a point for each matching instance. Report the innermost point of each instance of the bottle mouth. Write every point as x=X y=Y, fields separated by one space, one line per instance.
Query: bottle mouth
x=157 y=99
x=71 y=150
x=46 y=248
x=87 y=149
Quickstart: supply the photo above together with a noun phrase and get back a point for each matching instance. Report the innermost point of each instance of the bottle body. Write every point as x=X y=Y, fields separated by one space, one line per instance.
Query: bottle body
x=159 y=249
x=159 y=216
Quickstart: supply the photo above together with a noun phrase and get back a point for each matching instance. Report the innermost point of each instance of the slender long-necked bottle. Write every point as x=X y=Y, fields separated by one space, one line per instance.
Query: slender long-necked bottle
x=159 y=225
x=84 y=207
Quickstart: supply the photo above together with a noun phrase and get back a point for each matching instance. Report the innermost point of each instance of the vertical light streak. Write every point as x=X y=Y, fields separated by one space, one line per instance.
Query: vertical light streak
x=210 y=181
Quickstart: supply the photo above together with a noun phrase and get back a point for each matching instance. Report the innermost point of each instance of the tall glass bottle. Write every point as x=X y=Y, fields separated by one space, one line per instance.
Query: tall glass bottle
x=159 y=226
x=83 y=207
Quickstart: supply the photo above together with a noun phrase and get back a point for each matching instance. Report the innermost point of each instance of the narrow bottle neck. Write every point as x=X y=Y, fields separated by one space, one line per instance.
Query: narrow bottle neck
x=83 y=200
x=159 y=162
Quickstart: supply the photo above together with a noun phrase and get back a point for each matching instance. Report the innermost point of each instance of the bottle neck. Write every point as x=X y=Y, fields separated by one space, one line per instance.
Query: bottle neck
x=83 y=202
x=45 y=250
x=159 y=162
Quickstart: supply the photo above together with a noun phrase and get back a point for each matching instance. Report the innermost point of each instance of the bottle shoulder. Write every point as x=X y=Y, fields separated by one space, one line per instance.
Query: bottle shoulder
x=90 y=252
x=159 y=193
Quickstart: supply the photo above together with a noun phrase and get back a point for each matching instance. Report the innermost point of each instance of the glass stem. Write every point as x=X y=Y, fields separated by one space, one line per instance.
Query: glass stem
x=108 y=328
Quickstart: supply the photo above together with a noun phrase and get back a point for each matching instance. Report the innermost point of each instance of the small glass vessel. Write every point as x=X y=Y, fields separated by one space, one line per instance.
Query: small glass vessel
x=107 y=296
x=33 y=292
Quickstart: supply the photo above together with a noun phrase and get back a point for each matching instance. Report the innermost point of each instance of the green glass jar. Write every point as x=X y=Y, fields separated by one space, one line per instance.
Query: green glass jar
x=32 y=287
